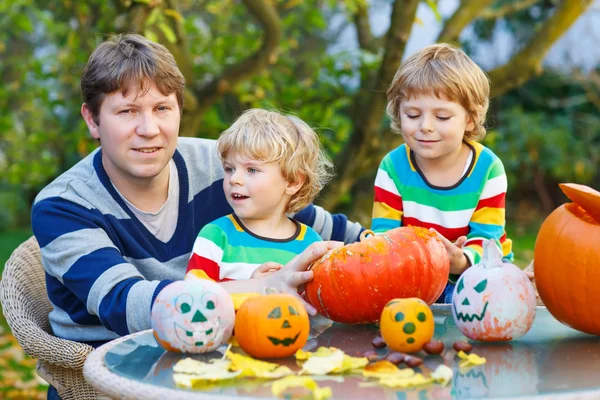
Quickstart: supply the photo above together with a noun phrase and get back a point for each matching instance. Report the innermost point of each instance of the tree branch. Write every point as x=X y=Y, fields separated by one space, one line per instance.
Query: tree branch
x=528 y=62
x=501 y=12
x=267 y=16
x=363 y=28
x=361 y=152
x=466 y=12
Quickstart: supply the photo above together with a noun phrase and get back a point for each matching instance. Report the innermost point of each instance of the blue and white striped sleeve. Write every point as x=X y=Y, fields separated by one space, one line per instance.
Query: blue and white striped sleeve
x=81 y=259
x=330 y=226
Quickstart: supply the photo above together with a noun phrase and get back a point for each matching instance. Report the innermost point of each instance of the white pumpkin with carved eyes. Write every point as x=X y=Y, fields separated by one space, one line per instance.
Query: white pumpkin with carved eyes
x=194 y=316
x=493 y=300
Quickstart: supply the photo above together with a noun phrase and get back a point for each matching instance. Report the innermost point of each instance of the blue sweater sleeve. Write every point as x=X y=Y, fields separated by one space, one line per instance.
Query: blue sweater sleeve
x=87 y=277
x=330 y=226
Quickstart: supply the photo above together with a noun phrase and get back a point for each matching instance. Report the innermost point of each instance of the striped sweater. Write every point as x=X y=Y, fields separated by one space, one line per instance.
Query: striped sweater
x=226 y=250
x=473 y=207
x=104 y=268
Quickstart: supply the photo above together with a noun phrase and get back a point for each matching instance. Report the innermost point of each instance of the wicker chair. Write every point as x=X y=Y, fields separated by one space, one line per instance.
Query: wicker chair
x=26 y=306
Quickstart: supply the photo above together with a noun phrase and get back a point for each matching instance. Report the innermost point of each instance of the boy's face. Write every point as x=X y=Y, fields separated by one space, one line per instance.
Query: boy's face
x=256 y=190
x=433 y=127
x=138 y=135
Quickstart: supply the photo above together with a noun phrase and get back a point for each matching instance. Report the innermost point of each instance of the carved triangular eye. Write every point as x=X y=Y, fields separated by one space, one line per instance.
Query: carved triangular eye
x=481 y=286
x=275 y=313
x=292 y=310
x=461 y=285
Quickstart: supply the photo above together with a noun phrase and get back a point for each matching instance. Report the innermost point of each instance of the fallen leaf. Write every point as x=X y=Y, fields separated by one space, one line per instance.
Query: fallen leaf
x=291 y=382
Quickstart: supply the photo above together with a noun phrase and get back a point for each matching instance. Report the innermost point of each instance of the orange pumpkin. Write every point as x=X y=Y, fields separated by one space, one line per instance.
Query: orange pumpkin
x=566 y=255
x=271 y=326
x=353 y=283
x=407 y=324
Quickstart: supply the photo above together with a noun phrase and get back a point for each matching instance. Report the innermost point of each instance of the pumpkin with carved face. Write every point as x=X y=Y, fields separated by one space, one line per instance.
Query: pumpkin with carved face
x=493 y=300
x=406 y=324
x=272 y=326
x=192 y=316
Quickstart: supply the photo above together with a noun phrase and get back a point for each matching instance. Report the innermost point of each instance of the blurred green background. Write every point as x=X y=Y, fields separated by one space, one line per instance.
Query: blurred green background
x=327 y=61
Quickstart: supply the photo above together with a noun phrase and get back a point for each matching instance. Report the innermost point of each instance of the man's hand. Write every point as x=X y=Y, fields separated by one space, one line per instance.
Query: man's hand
x=294 y=273
x=458 y=260
x=266 y=269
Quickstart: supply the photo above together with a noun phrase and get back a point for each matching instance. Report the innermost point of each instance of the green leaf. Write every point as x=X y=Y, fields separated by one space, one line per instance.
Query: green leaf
x=168 y=32
x=433 y=6
x=151 y=35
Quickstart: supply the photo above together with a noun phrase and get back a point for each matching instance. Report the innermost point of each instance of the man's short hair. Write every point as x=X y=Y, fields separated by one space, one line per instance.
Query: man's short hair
x=129 y=62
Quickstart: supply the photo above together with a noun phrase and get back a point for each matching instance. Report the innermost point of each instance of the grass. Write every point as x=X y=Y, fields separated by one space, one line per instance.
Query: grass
x=18 y=379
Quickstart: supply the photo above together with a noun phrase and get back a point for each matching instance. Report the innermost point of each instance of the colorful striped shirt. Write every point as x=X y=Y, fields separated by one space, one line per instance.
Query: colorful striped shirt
x=104 y=267
x=473 y=207
x=226 y=250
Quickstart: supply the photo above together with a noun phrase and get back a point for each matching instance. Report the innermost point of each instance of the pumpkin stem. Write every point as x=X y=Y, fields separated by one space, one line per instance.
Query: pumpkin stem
x=585 y=197
x=492 y=256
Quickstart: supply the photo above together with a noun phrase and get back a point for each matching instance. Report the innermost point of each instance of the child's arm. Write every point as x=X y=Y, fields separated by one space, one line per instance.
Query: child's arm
x=488 y=220
x=208 y=252
x=387 y=207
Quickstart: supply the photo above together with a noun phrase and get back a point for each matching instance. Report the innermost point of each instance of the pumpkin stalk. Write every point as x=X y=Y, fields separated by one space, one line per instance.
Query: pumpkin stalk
x=585 y=197
x=492 y=256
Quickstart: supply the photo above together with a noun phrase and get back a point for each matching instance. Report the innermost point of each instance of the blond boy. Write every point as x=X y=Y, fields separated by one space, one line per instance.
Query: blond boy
x=273 y=167
x=442 y=178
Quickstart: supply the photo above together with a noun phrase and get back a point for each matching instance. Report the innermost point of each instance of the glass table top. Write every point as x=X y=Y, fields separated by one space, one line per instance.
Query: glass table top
x=551 y=359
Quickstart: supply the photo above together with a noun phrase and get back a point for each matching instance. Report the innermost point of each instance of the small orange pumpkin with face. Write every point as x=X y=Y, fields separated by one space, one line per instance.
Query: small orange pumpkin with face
x=272 y=326
x=407 y=324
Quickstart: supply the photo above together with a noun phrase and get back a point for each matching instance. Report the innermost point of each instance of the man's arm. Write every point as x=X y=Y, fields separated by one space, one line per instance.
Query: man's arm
x=88 y=277
x=330 y=226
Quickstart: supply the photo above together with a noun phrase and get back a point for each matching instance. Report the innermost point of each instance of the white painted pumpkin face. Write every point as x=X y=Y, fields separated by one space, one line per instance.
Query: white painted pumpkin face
x=493 y=301
x=192 y=316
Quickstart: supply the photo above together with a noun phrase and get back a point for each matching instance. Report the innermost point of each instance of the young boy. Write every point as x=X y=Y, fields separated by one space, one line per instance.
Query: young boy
x=442 y=178
x=273 y=167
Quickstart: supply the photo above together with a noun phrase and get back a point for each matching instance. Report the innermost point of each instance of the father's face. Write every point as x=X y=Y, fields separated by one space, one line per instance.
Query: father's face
x=138 y=135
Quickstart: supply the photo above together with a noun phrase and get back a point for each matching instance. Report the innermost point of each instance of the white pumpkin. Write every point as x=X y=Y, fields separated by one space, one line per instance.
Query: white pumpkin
x=194 y=316
x=493 y=300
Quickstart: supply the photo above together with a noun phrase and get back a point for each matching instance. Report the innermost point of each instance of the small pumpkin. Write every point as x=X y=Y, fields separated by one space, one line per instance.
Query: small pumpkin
x=407 y=324
x=272 y=326
x=194 y=316
x=566 y=256
x=493 y=300
x=353 y=283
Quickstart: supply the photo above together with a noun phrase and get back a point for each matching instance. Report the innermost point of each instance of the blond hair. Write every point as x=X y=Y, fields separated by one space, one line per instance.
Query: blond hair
x=442 y=70
x=270 y=136
x=129 y=62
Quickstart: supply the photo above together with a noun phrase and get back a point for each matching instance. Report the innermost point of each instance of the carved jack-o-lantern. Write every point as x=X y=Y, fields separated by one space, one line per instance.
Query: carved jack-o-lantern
x=407 y=324
x=192 y=316
x=493 y=300
x=271 y=326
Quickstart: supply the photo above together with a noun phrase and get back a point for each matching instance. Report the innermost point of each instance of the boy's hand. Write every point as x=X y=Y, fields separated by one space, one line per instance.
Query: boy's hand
x=266 y=269
x=294 y=273
x=458 y=260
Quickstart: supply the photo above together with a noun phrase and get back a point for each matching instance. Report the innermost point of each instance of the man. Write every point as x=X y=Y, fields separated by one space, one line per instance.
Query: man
x=120 y=225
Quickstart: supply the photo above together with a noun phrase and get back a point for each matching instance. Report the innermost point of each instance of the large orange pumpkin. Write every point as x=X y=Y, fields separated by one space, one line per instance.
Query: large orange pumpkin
x=353 y=283
x=567 y=260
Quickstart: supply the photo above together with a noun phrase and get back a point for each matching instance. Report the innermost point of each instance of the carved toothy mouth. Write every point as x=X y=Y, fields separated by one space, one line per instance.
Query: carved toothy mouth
x=285 y=342
x=202 y=334
x=470 y=317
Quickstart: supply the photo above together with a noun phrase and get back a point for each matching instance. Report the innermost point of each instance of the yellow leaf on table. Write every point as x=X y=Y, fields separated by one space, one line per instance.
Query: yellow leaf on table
x=249 y=366
x=189 y=372
x=470 y=360
x=384 y=368
x=290 y=382
x=442 y=374
x=329 y=360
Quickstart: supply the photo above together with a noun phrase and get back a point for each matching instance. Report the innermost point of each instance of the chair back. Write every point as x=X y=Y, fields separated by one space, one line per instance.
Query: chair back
x=26 y=307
